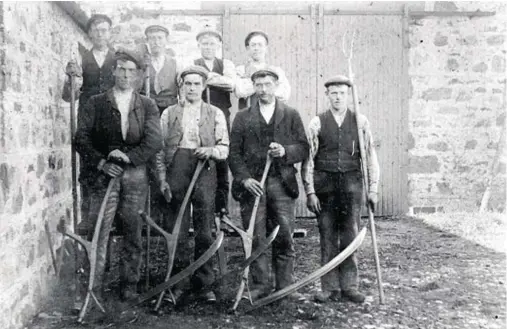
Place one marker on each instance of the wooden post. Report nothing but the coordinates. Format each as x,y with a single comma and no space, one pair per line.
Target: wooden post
148,197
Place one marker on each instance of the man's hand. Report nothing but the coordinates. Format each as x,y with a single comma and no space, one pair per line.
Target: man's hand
112,169
372,200
276,150
203,153
253,186
165,189
313,203
73,69
119,156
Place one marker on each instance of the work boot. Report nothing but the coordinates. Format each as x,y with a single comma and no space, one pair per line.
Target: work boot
353,296
296,297
325,296
208,297
129,292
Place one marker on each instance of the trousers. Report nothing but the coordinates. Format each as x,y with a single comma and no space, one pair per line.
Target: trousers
338,227
127,197
202,201
275,208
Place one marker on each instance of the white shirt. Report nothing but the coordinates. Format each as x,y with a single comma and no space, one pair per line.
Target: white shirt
190,125
100,56
267,110
339,117
209,63
158,62
123,99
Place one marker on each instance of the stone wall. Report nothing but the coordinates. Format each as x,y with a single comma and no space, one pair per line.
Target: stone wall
35,166
457,107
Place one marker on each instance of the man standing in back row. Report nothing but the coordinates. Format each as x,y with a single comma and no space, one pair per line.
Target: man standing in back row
256,43
333,183
221,75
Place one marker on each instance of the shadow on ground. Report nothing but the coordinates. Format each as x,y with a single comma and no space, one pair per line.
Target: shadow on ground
432,279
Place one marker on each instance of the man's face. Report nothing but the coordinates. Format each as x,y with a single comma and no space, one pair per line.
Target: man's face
157,40
208,44
193,86
257,48
338,96
265,88
100,33
125,74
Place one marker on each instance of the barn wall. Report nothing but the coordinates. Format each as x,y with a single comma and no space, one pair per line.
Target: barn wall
35,174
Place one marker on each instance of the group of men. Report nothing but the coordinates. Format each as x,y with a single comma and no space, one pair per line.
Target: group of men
158,139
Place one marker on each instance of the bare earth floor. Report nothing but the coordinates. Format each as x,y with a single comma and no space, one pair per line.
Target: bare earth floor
432,279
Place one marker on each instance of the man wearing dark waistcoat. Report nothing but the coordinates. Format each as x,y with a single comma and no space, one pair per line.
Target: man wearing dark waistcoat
268,125
94,75
192,131
334,186
221,74
119,132
163,69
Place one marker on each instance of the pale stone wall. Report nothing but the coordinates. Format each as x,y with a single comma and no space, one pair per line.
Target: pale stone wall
35,174
457,107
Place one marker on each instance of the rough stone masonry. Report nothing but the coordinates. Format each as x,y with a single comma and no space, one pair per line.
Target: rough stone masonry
35,181
456,111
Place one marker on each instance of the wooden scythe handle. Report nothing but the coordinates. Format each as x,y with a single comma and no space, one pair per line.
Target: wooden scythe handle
247,243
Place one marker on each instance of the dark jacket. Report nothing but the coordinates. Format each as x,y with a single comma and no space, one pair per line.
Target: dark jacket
247,158
100,132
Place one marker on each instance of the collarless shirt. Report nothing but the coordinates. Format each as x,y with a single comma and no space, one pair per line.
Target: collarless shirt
123,99
267,110
190,125
158,62
100,56
339,117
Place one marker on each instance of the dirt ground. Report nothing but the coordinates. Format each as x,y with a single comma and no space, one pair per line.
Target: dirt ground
432,279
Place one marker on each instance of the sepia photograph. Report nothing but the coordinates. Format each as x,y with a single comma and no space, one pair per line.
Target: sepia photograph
253,164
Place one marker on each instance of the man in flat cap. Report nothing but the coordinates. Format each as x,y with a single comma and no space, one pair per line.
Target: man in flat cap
119,132
163,69
192,131
93,73
268,126
334,185
256,43
221,76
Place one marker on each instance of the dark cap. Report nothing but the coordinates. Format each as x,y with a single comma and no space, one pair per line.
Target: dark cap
129,55
97,18
194,69
338,80
269,71
208,32
253,34
156,28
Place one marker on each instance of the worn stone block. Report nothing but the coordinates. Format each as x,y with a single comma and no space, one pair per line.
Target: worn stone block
437,94
496,40
438,146
423,164
480,67
440,40
471,144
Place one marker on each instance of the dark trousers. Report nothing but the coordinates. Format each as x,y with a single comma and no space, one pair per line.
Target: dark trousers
222,193
338,226
202,200
127,197
275,208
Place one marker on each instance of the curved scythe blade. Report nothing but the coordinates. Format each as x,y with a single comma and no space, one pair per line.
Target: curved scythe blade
313,276
180,276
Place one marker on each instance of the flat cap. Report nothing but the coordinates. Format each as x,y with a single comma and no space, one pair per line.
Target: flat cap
97,18
194,69
268,71
208,32
338,80
253,34
156,28
129,55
